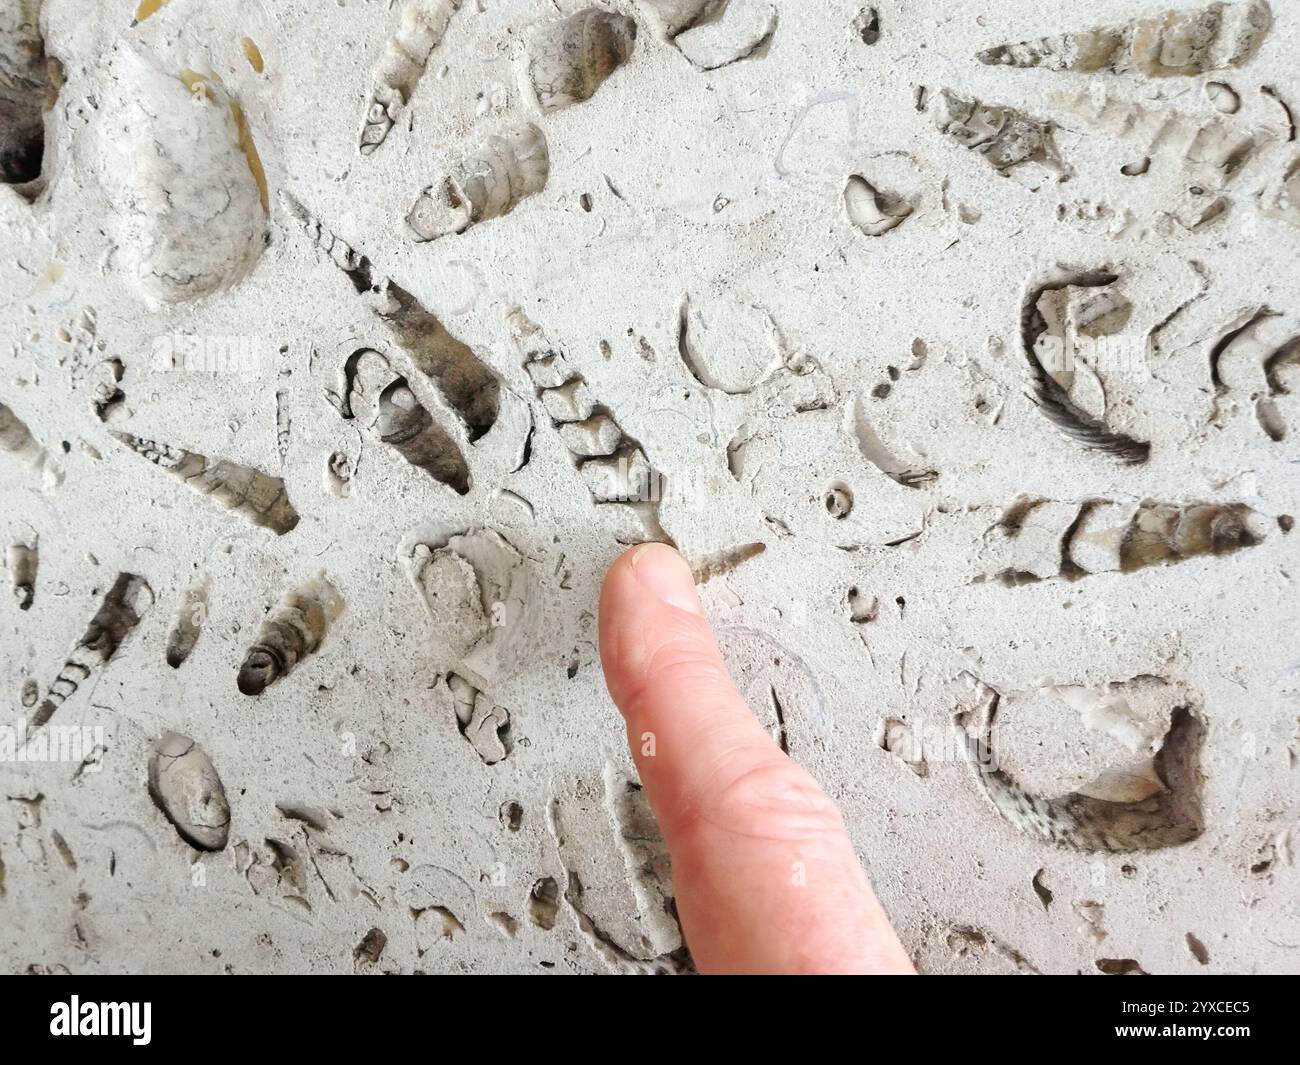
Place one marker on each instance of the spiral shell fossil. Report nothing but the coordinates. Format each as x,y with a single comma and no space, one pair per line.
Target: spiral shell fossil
291,632
254,495
420,29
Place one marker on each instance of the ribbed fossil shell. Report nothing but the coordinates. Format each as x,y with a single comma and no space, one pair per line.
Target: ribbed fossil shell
1175,43
507,168
291,632
188,206
119,612
569,60
186,788
254,495
420,29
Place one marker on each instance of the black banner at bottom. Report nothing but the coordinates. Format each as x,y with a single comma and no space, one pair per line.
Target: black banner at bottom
148,1012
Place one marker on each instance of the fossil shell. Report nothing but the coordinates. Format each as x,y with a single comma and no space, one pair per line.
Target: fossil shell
191,613
571,59
1175,43
17,440
254,495
420,29
507,168
186,788
291,632
119,612
873,212
190,212
1007,138
1146,807
22,560
671,17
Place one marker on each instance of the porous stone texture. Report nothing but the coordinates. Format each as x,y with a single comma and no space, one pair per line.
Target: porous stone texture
346,345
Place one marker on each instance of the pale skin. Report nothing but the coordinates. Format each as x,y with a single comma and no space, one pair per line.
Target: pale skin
765,876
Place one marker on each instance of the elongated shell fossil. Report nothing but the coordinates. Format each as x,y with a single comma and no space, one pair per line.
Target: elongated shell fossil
420,29
1174,43
508,168
257,496
571,59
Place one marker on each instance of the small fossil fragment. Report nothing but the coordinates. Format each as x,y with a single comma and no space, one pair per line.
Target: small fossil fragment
485,725
736,31
254,495
1219,36
186,788
671,17
571,59
420,29
720,563
873,212
17,440
123,605
507,168
291,632
22,560
177,163
1007,138
191,613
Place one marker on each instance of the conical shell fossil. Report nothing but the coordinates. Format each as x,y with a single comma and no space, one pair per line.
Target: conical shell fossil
176,163
571,59
122,607
1175,43
420,29
191,613
291,632
382,401
186,788
254,495
508,168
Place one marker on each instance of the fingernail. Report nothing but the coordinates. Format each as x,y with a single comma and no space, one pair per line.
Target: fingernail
663,573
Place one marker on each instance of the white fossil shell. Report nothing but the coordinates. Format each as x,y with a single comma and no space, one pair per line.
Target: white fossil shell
187,789
507,168
420,29
569,60
873,212
671,17
22,560
179,171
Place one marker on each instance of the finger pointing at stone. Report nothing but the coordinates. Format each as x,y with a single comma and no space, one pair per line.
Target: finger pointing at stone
765,875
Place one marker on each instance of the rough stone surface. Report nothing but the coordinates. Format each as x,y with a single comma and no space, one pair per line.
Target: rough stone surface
787,299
